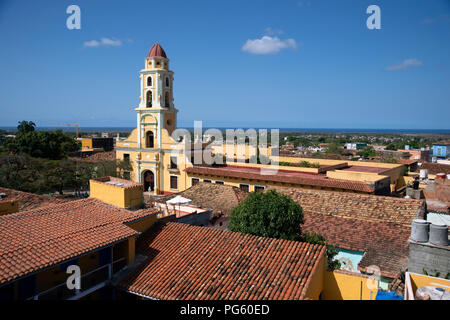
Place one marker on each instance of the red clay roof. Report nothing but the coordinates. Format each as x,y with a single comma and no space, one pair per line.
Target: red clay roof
156,52
385,244
35,239
358,206
198,263
376,225
282,176
28,201
435,168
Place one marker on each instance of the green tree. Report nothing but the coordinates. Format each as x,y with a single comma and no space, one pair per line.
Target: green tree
268,214
275,215
40,144
367,152
333,148
26,126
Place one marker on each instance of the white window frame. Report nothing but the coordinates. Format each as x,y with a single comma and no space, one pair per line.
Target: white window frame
210,181
223,182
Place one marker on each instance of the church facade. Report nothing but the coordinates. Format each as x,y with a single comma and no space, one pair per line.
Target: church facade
157,160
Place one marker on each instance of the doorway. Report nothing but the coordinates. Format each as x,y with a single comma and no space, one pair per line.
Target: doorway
149,181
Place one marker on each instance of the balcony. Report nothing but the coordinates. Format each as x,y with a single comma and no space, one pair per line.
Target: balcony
90,282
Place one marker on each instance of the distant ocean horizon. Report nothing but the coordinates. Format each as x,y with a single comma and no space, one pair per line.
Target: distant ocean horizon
317,130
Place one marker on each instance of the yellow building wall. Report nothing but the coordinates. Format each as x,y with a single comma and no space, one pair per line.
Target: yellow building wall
316,283
240,151
355,176
143,224
131,250
342,285
252,183
421,280
86,144
7,207
116,195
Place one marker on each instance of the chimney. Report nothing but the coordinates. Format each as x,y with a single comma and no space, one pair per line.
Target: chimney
419,230
439,234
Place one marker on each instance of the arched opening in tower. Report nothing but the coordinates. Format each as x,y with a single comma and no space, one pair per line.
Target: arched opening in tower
166,100
149,99
149,140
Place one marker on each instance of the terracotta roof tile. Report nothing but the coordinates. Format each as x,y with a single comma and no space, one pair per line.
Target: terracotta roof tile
283,176
28,201
360,206
198,263
35,239
376,225
435,168
385,244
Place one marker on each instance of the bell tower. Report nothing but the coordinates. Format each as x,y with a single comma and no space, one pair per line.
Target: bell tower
156,109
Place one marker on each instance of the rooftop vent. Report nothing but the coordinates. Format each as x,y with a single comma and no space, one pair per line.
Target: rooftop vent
439,234
419,230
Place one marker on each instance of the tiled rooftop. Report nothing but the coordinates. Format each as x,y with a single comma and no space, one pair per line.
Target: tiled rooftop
376,225
35,239
198,263
282,176
357,206
385,244
435,168
28,201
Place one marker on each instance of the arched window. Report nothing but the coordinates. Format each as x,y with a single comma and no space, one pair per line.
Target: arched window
149,139
167,82
166,100
149,81
149,98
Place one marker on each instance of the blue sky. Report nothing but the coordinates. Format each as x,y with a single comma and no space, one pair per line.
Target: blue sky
305,64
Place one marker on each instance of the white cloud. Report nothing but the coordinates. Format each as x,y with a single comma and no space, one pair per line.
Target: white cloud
268,45
271,31
405,64
304,3
443,18
103,42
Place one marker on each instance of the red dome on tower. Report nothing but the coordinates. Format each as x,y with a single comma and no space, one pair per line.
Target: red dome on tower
156,52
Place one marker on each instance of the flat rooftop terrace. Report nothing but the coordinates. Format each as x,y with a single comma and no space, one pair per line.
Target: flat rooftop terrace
366,169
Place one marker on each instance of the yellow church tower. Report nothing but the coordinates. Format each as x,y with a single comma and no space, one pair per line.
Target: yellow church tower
154,155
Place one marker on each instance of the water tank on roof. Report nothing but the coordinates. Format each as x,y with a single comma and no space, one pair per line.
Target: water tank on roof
439,234
419,230
423,173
